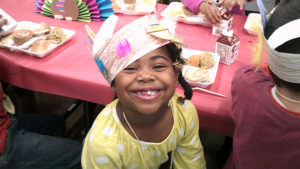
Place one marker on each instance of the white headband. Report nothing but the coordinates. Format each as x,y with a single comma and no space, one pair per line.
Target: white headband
284,65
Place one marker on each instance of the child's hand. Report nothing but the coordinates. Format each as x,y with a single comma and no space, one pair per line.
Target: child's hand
229,4
211,12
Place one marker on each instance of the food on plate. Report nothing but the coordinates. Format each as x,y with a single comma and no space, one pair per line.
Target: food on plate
129,1
194,60
3,21
204,59
56,36
130,7
147,2
44,29
198,75
174,13
21,36
181,17
187,12
254,22
115,6
255,28
5,39
40,45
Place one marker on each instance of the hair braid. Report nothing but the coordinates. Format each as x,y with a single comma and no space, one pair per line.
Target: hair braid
188,92
175,53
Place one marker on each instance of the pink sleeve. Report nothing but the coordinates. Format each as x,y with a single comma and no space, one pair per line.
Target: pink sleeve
192,5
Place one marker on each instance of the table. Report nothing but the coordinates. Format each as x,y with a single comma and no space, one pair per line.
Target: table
71,71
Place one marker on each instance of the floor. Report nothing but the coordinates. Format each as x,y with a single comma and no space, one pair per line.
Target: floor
34,102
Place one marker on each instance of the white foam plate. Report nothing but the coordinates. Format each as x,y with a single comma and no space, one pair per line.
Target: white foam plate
253,20
142,7
175,12
32,25
186,53
11,23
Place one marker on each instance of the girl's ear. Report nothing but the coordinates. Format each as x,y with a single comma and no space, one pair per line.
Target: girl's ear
113,89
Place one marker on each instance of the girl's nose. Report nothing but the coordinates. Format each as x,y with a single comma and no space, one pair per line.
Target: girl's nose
145,75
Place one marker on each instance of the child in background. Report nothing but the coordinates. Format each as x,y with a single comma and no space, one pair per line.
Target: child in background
266,107
149,124
23,140
210,10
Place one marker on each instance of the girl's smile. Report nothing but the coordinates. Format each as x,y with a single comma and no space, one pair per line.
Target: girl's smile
147,93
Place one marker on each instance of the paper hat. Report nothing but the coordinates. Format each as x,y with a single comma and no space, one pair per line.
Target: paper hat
114,52
284,65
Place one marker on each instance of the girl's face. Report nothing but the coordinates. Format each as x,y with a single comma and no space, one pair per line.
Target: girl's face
147,85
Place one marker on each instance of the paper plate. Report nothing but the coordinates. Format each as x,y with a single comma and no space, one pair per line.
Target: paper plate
253,23
175,12
142,7
186,53
32,25
11,22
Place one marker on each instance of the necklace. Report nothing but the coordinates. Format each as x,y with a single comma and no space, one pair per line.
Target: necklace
286,98
139,147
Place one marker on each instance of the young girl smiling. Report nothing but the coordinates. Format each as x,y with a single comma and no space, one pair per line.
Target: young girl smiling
148,125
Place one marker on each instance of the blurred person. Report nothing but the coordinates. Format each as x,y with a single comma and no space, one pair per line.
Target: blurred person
211,11
266,100
22,149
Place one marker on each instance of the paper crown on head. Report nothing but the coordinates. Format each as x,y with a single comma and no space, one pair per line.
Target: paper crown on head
284,65
114,52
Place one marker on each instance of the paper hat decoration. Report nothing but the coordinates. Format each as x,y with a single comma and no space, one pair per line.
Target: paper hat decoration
81,10
284,65
114,52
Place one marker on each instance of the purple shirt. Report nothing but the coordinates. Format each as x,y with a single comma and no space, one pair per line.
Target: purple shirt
193,5
266,136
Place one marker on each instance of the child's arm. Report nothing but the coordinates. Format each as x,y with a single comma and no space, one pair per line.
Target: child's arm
211,12
192,5
189,152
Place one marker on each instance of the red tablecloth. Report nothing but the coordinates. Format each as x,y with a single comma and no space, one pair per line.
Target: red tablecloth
70,70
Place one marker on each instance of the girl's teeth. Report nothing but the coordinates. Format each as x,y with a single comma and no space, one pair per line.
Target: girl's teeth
149,93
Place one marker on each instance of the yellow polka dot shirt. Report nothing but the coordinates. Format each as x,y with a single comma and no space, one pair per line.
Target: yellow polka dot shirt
109,146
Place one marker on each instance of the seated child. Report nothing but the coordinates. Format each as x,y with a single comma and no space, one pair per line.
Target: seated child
148,124
266,107
210,10
23,140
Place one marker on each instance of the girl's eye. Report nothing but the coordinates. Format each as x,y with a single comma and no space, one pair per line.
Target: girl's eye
159,67
130,69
